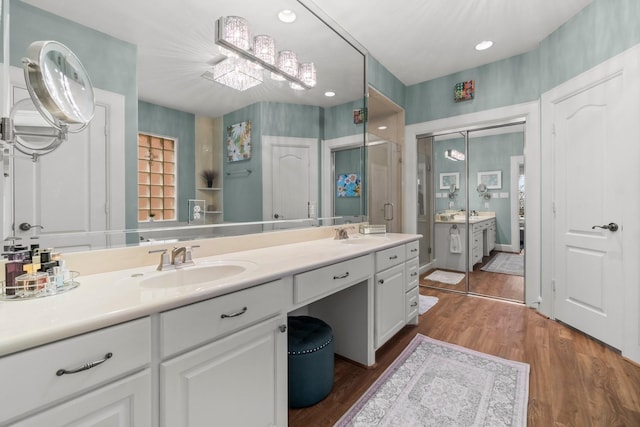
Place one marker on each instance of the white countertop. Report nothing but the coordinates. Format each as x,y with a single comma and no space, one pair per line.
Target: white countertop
110,298
462,220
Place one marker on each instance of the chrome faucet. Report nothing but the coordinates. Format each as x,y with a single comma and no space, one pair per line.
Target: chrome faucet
341,234
179,257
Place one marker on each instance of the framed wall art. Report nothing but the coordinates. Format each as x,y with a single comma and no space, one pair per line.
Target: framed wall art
492,179
448,178
239,142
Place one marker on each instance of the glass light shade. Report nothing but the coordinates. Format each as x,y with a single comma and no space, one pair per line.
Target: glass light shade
264,48
288,62
307,73
236,32
237,73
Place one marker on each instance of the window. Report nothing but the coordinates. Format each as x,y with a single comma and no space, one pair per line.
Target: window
156,178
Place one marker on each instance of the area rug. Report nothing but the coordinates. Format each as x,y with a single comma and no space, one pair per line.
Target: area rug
425,303
445,277
506,263
433,383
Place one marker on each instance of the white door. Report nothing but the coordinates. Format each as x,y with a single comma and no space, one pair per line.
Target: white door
291,179
589,134
62,212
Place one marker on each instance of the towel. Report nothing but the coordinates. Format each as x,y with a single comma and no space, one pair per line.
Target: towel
455,245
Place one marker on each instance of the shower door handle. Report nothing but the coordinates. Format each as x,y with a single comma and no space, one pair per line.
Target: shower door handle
388,217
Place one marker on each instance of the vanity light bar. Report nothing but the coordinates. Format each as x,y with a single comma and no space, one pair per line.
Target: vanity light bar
220,40
454,155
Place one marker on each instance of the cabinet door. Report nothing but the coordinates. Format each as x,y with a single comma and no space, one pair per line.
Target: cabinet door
239,380
124,403
390,303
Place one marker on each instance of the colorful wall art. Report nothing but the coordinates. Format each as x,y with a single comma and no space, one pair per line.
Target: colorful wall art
348,185
464,91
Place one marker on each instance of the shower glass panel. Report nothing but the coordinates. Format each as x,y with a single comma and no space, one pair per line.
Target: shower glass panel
385,194
496,205
425,201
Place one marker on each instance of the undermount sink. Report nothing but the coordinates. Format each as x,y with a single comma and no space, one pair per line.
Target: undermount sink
196,274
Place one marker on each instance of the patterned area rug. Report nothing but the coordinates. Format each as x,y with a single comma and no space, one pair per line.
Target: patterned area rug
445,277
425,303
506,263
433,383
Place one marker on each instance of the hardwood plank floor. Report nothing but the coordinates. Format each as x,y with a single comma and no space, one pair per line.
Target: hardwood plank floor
574,380
498,285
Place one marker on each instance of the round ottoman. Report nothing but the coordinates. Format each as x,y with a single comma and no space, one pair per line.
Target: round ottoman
310,360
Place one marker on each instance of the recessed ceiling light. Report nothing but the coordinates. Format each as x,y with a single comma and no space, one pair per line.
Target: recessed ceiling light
287,16
329,94
382,127
484,45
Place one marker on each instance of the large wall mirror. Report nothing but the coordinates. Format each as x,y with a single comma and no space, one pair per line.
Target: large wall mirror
165,108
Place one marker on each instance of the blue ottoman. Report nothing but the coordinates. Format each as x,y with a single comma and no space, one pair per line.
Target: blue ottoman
310,361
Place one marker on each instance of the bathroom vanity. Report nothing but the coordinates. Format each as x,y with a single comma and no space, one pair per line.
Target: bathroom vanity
144,347
481,235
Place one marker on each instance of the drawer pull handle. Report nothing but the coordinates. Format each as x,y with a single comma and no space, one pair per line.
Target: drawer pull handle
414,250
393,257
414,274
236,314
84,367
414,304
344,276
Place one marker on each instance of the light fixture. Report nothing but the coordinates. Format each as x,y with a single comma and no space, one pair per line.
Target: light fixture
264,47
306,73
484,45
329,94
246,57
454,155
382,127
237,73
287,16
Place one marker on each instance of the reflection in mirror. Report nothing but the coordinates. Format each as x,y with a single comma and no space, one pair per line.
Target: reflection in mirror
149,68
481,241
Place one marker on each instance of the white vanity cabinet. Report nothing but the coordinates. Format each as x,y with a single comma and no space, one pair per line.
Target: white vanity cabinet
111,382
235,372
390,293
412,295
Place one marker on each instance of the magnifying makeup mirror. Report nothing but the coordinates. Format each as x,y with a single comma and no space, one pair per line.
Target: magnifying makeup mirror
61,92
452,191
483,191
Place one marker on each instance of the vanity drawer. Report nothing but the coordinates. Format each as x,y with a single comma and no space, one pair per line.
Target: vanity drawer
326,280
390,257
196,324
412,249
413,303
30,378
412,273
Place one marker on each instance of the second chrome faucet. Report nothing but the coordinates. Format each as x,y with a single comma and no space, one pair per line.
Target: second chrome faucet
180,257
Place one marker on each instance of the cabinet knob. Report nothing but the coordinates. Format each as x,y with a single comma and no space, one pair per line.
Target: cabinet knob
282,328
381,281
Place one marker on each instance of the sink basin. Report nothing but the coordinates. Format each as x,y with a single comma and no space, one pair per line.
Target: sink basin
195,275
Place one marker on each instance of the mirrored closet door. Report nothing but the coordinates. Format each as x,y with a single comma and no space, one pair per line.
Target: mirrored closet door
477,198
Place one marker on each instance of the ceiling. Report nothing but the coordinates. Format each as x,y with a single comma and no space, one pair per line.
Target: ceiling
419,40
416,40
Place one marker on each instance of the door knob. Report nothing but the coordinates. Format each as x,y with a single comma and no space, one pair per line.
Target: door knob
612,226
25,226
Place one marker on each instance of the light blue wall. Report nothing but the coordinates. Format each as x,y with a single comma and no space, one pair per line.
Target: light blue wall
112,67
443,165
493,153
598,32
167,122
385,82
338,121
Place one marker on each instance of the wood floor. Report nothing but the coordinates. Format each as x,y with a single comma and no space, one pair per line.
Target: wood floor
498,285
574,380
